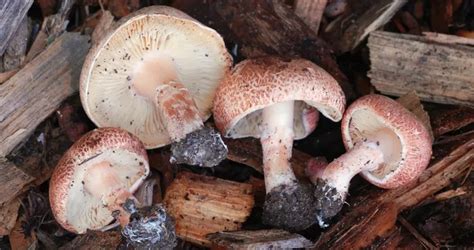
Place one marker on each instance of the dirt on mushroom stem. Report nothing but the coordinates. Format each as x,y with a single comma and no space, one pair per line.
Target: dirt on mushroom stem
288,204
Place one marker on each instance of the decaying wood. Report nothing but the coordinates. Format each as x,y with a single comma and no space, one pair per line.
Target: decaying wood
412,102
437,72
258,239
202,205
12,181
13,13
377,215
8,215
265,27
348,30
426,243
451,119
95,240
248,151
16,49
447,39
105,22
37,90
18,239
52,27
311,12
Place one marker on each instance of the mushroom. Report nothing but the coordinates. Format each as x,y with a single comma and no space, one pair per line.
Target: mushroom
155,75
387,144
95,177
276,100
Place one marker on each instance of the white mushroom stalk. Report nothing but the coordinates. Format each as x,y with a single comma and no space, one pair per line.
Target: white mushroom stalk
277,143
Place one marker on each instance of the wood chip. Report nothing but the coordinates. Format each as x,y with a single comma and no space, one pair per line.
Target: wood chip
311,12
38,89
13,13
437,72
8,215
12,181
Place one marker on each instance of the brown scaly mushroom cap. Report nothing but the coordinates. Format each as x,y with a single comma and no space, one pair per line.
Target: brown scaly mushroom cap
387,144
154,75
98,173
276,100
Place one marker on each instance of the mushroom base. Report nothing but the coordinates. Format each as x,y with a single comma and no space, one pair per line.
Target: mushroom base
289,207
203,147
149,228
328,201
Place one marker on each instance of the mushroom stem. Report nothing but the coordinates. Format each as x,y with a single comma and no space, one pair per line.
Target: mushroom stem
277,143
179,113
365,156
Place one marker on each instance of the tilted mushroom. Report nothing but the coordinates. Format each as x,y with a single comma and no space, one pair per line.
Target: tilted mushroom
275,100
155,75
387,144
95,177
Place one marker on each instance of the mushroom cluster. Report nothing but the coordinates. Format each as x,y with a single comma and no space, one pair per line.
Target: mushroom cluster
278,100
96,177
386,144
155,75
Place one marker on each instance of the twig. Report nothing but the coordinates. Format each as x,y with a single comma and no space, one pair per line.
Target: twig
427,244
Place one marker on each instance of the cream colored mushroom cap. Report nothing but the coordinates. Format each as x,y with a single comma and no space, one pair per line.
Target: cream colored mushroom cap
257,83
410,148
73,207
197,53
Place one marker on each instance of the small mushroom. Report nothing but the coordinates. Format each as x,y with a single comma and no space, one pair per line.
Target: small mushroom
276,100
387,144
155,75
95,178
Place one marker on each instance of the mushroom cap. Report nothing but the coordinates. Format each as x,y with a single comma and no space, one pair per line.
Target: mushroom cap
409,150
161,34
257,83
73,206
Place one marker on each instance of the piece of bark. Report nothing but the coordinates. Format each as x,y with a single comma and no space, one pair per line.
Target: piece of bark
412,102
16,49
437,72
121,8
258,239
105,22
248,151
95,240
6,75
448,39
53,26
348,30
441,15
265,27
451,119
18,239
8,216
201,205
12,181
311,12
13,13
38,89
48,7
376,216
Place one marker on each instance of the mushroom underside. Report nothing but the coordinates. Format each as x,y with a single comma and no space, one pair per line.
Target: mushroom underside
86,211
148,51
364,125
249,124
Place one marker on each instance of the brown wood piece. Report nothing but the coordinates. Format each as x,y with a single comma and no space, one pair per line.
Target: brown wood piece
266,27
374,217
248,151
258,239
102,28
451,119
121,8
6,75
351,28
311,12
16,49
93,240
37,90
18,239
441,15
437,72
202,205
8,216
12,181
13,13
48,7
